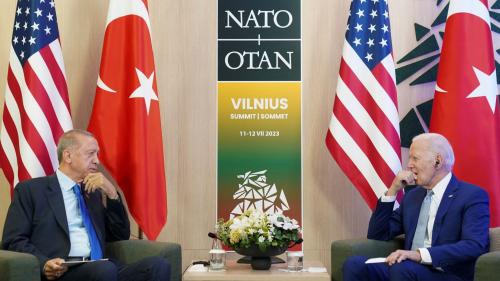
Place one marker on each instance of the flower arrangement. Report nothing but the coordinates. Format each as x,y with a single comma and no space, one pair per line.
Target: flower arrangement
257,228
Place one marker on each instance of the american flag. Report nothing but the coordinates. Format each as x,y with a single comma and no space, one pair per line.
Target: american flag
36,110
363,136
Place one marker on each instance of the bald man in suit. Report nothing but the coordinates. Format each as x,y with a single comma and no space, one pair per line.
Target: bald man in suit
445,221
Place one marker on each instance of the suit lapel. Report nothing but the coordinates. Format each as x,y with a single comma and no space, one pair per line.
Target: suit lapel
414,212
448,197
56,202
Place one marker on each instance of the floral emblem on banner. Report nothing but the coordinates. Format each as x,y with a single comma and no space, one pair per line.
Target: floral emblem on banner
254,192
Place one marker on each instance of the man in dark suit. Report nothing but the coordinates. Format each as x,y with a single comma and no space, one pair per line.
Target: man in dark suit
445,221
64,217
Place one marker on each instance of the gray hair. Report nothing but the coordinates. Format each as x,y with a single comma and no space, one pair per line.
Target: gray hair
69,140
439,144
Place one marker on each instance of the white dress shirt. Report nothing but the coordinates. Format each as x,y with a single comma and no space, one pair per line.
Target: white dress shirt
78,236
439,190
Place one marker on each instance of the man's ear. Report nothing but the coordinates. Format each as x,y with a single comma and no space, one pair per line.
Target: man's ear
439,161
66,157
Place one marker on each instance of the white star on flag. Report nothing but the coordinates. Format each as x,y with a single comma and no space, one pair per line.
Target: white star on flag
34,26
145,90
487,87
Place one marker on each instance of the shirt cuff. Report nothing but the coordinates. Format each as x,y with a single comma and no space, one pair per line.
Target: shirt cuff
425,255
387,199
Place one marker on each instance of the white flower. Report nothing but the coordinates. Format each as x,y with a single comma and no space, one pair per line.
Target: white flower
274,219
287,226
262,239
236,224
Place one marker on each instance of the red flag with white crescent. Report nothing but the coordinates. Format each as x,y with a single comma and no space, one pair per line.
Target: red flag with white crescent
465,108
126,114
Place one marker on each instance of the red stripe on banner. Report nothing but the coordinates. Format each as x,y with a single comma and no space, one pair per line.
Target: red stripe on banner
365,144
364,97
385,80
6,168
351,171
23,174
57,75
42,98
34,139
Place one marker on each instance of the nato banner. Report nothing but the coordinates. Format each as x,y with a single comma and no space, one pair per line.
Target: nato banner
259,107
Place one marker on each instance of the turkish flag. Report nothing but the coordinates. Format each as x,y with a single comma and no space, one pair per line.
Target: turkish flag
126,114
465,108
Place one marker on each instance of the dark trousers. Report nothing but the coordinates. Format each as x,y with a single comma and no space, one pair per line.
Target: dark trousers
148,269
355,269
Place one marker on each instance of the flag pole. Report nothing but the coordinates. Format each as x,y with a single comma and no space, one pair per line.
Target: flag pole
140,234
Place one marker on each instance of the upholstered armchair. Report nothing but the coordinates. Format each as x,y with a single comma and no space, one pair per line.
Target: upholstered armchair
487,266
24,267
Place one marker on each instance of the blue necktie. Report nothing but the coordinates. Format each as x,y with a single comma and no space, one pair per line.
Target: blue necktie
95,247
423,220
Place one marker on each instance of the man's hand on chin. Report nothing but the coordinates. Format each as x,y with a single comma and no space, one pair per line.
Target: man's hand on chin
97,180
401,255
403,178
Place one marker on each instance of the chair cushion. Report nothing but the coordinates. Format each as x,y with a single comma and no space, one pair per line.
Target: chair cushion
495,239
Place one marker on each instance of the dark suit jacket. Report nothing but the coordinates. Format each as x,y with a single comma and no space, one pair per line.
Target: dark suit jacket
460,234
36,221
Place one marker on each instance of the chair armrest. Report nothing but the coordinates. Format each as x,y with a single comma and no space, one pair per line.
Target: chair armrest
488,267
16,266
342,249
129,251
